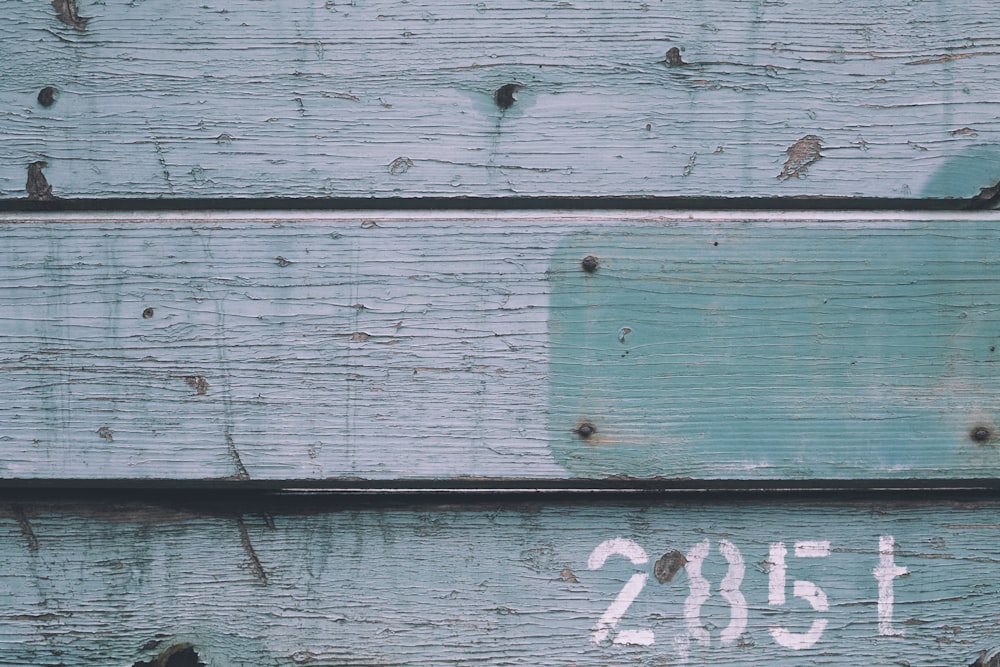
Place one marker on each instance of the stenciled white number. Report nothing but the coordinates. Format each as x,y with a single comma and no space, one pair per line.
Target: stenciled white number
609,620
806,590
729,589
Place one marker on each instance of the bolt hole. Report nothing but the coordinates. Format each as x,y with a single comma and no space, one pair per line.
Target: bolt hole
980,434
504,95
716,244
590,264
585,430
147,313
179,655
47,96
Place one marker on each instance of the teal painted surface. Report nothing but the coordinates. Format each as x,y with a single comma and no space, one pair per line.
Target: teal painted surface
469,346
317,98
775,352
92,583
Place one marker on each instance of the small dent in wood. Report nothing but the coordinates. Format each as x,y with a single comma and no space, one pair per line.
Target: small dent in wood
668,565
37,185
67,12
504,95
585,430
47,96
178,655
106,433
281,261
590,264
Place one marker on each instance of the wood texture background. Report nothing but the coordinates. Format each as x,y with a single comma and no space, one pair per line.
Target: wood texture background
336,98
499,584
346,346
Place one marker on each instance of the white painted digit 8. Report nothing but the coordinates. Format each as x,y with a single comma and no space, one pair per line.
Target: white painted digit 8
729,589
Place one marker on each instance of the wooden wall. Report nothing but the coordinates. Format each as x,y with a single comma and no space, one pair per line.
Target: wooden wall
513,332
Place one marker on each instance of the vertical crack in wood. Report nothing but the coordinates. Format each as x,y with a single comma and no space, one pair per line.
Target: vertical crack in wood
234,454
26,529
255,564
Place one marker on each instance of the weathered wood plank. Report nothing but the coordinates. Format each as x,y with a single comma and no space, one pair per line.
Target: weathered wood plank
875,583
341,346
896,98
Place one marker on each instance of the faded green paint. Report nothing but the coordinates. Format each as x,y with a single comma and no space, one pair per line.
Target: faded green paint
766,351
345,346
88,583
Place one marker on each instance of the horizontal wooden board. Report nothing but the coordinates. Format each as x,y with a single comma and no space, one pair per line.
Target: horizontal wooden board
476,346
335,98
747,584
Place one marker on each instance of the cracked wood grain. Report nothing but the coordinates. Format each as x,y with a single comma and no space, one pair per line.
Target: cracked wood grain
499,584
664,346
286,107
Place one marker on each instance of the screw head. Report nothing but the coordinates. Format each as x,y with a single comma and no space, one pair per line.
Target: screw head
590,264
980,434
585,430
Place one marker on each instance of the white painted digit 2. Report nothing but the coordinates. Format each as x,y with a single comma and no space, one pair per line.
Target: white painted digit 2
613,614
729,589
806,590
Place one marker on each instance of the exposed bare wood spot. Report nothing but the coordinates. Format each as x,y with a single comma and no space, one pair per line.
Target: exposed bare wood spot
943,59
178,655
567,575
668,565
360,336
198,383
504,95
964,131
801,154
67,13
106,433
26,530
673,57
255,565
225,139
47,96
38,186
400,165
987,197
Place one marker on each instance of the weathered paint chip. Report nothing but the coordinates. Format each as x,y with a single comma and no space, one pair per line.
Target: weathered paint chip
67,12
801,155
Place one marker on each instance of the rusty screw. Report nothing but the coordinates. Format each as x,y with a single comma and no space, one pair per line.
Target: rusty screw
585,430
590,264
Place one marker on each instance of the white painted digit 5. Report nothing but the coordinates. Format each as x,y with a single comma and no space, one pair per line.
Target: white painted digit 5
729,588
806,590
609,620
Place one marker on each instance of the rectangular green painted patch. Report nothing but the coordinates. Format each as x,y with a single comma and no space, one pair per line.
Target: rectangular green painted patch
776,350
